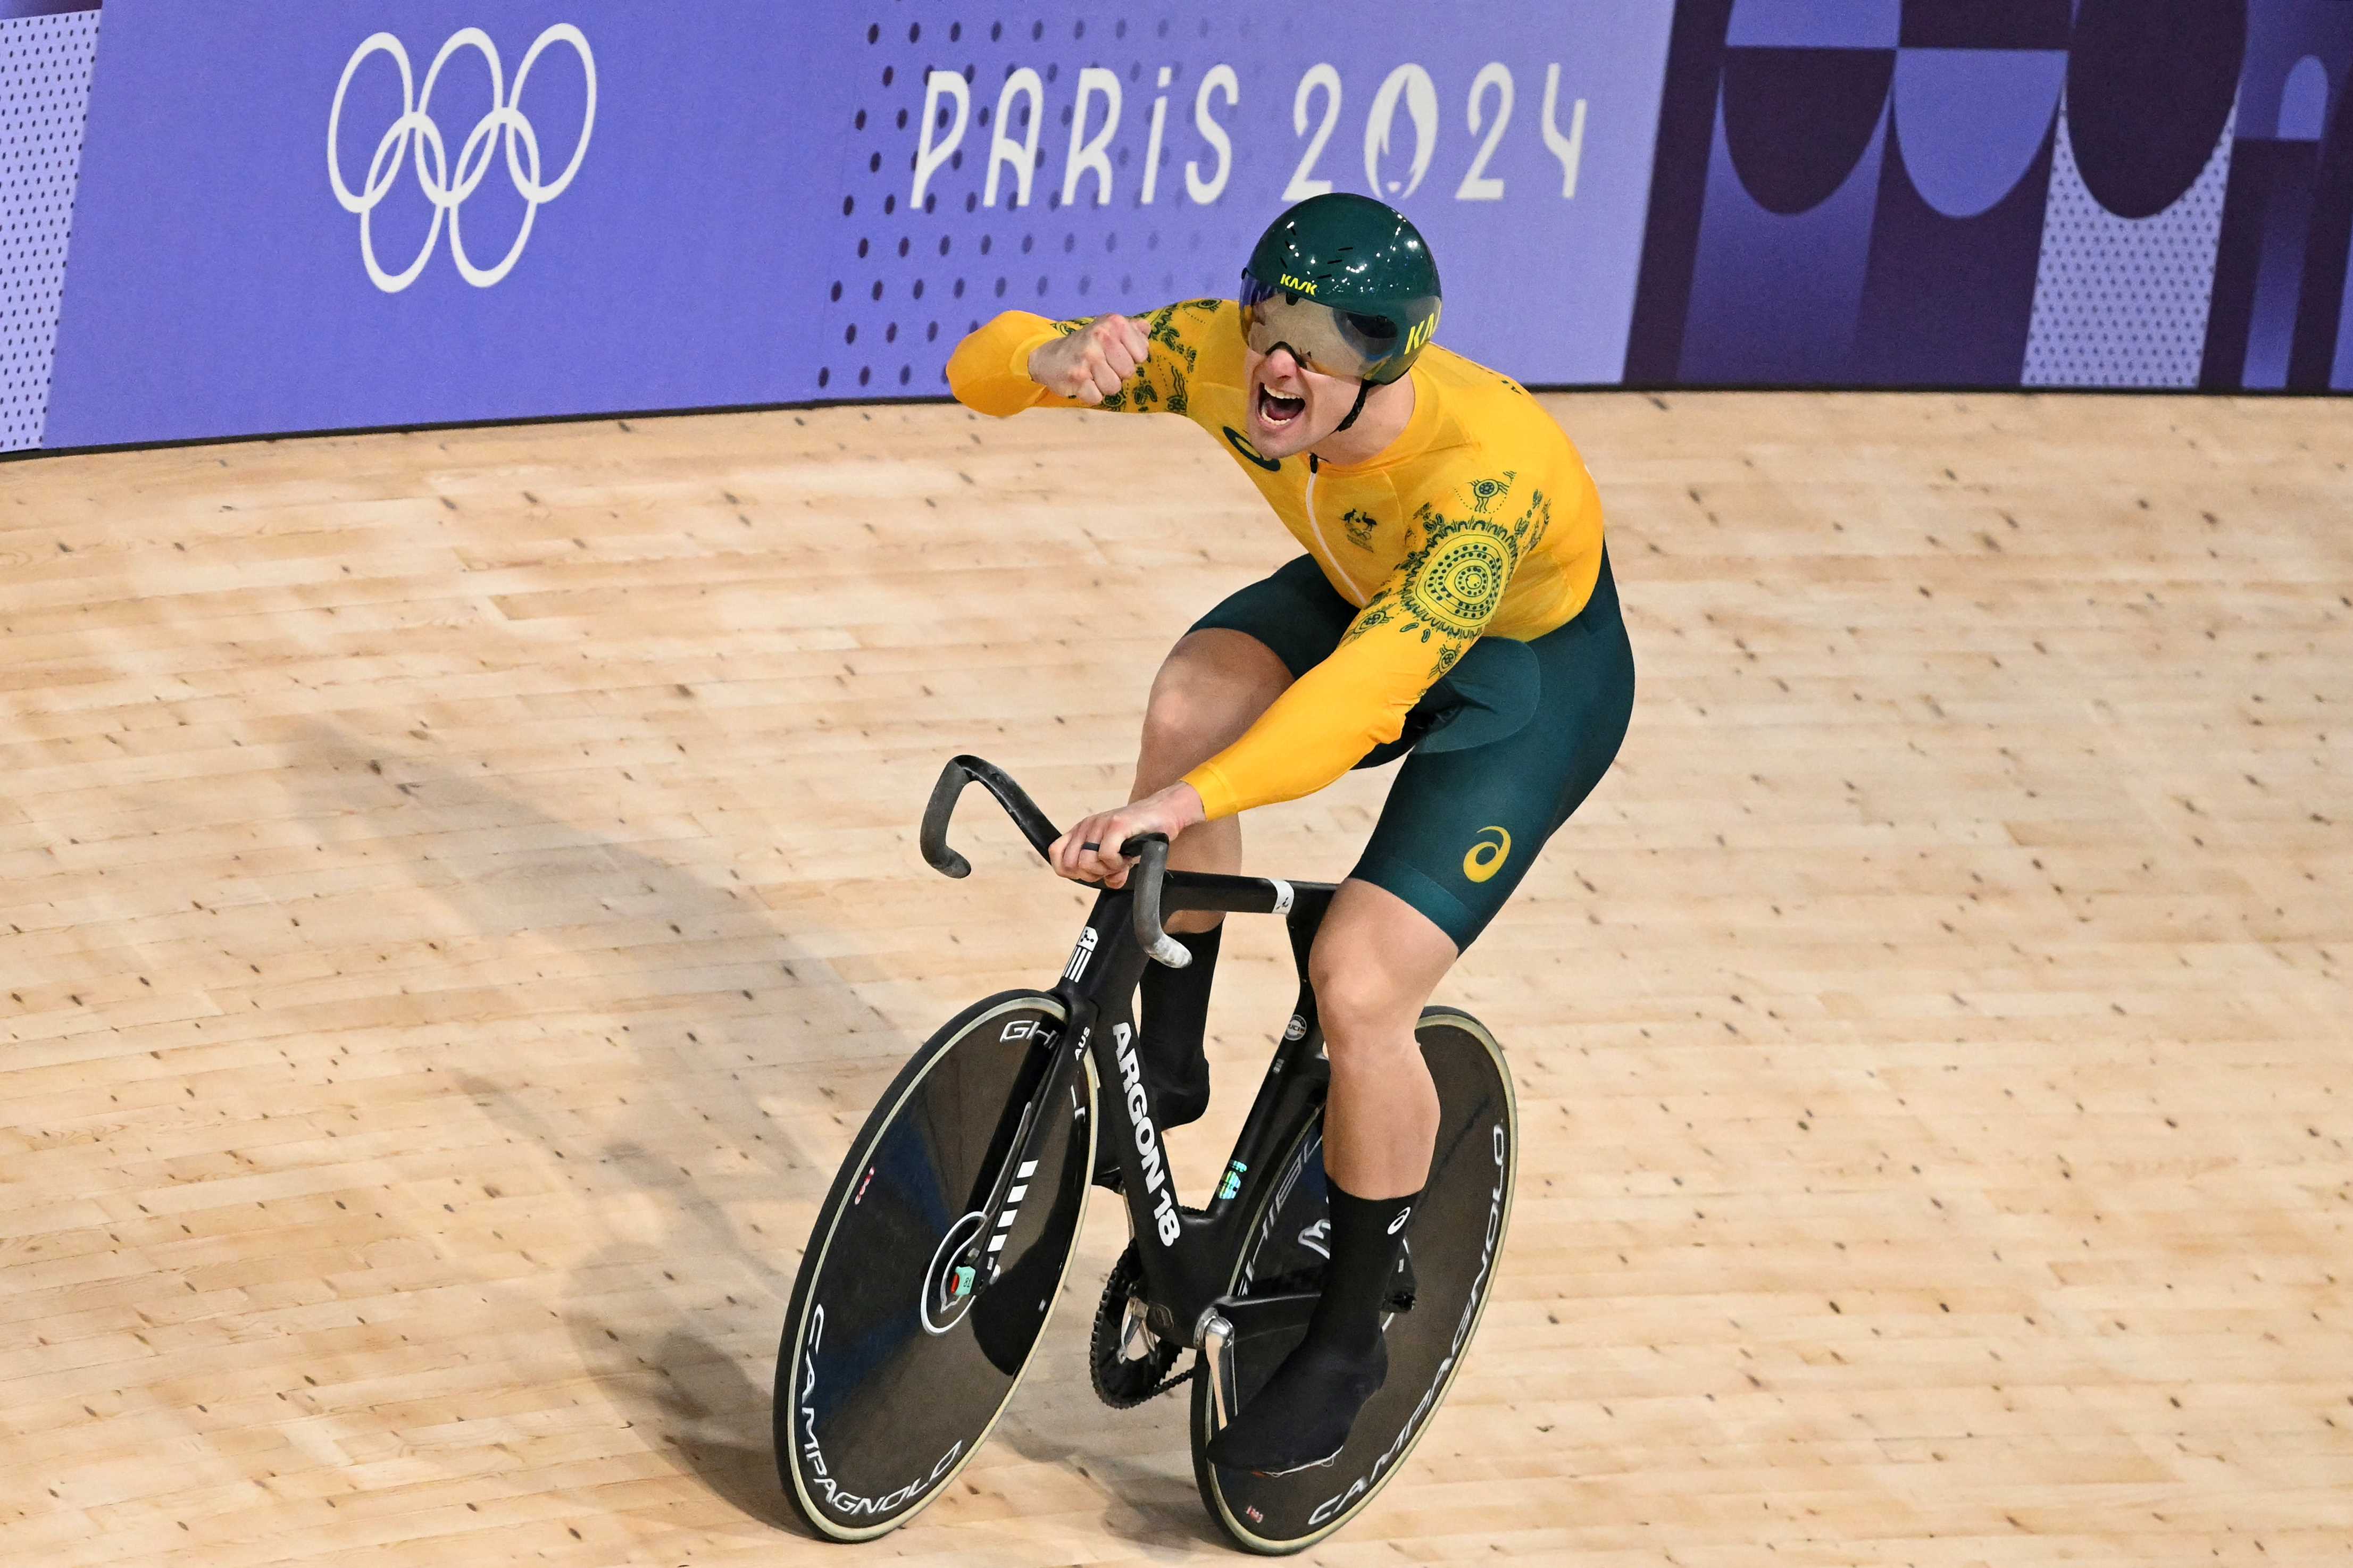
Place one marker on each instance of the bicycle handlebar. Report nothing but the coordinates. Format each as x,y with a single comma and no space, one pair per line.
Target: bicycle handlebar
1151,849
1034,824
1152,852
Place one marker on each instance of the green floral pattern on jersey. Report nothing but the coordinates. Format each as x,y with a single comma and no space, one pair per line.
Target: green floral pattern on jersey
1482,492
1447,589
1158,385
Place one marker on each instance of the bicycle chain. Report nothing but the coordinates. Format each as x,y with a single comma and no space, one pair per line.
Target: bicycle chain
1171,1381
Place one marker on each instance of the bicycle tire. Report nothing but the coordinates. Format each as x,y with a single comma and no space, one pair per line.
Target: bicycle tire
1456,1237
877,1371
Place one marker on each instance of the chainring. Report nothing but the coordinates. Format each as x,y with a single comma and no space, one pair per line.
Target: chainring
1125,1379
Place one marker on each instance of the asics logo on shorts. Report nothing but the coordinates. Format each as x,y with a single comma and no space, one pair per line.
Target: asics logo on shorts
1487,856
415,137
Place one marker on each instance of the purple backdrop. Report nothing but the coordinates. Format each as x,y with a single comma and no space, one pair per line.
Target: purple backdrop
218,287
1538,281
778,202
743,226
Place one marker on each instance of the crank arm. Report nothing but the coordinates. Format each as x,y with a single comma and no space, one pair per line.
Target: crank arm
1217,1355
1249,1318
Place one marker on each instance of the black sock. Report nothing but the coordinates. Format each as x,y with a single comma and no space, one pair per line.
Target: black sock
1366,1235
1177,1001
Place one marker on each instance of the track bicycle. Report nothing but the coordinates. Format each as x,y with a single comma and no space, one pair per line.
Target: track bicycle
938,1253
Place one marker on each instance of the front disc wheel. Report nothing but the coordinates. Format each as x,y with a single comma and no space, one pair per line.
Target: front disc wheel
909,1329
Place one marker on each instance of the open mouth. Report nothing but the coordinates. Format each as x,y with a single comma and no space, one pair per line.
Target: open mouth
1277,411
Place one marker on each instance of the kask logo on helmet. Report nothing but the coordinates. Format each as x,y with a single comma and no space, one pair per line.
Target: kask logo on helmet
414,136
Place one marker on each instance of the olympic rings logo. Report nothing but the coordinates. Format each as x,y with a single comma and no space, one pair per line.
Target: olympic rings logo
504,125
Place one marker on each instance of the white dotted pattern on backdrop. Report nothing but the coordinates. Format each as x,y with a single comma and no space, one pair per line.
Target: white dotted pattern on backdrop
905,292
2123,301
45,63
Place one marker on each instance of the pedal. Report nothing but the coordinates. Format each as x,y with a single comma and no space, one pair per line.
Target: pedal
1134,1335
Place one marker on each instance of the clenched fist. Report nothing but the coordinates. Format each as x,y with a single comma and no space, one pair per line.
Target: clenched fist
1093,362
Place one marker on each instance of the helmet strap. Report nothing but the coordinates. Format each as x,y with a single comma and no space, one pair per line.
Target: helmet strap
1364,390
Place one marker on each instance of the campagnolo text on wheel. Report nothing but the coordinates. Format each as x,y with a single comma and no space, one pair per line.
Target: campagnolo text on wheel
1454,609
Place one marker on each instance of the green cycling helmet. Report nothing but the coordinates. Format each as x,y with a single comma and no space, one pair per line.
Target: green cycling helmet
1348,285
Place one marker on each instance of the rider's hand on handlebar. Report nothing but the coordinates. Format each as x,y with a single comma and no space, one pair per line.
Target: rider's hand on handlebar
1093,362
1089,851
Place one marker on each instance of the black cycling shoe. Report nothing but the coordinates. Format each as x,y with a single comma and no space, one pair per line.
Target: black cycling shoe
1301,1418
1176,1100
1175,1016
1179,1089
1168,1044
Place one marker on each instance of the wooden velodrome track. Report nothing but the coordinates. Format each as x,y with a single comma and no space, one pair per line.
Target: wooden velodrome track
460,896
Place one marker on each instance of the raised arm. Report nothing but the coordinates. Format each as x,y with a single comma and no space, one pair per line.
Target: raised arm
1121,363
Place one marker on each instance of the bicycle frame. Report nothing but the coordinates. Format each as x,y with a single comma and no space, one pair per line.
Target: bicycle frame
1186,1256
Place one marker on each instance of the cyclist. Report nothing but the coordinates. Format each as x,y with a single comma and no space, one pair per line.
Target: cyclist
1455,606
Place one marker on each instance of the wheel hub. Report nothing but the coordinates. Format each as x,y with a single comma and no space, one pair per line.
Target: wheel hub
948,1285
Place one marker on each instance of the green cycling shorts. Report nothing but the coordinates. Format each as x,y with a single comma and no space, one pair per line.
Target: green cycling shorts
1497,753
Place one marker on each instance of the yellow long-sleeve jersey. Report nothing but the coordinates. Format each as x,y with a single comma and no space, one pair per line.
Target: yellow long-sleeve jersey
1479,520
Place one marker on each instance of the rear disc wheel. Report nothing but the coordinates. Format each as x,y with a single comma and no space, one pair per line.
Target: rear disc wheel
1449,1267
